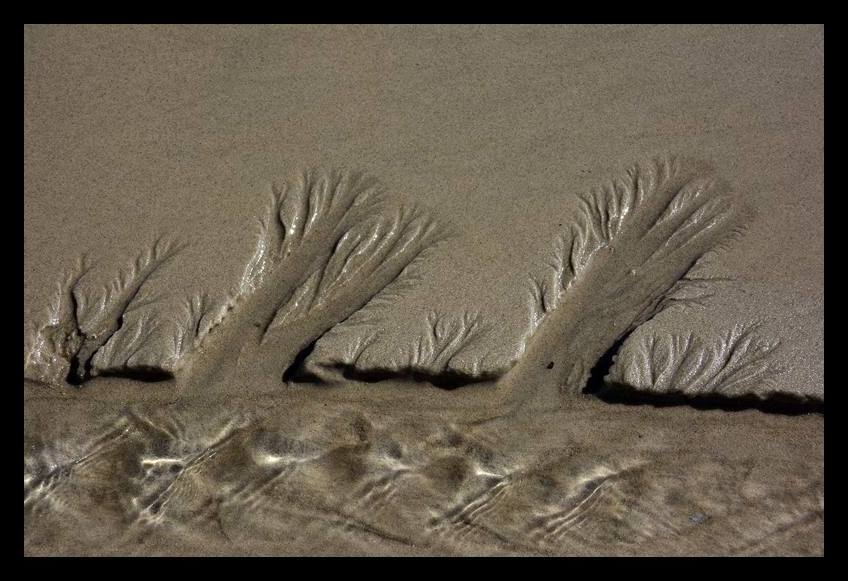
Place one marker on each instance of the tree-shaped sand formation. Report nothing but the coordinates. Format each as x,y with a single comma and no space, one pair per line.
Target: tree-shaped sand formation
327,244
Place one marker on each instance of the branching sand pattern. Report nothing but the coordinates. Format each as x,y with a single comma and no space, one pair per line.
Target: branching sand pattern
631,253
429,356
80,323
327,244
627,256
301,221
358,254
734,364
330,244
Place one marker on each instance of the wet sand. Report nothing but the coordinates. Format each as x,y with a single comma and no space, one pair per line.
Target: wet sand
423,290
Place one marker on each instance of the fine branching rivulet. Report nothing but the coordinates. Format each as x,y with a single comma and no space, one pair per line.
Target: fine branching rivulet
331,243
80,322
736,363
628,254
327,244
429,357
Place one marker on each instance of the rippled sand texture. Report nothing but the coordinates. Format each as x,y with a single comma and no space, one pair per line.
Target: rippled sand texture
340,479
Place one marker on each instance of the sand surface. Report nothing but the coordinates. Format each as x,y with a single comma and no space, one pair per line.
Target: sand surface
453,290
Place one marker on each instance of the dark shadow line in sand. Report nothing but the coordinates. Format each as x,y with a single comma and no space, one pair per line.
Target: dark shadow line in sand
143,374
297,371
76,376
447,380
777,403
595,385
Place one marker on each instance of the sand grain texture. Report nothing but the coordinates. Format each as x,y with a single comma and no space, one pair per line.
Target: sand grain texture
440,290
